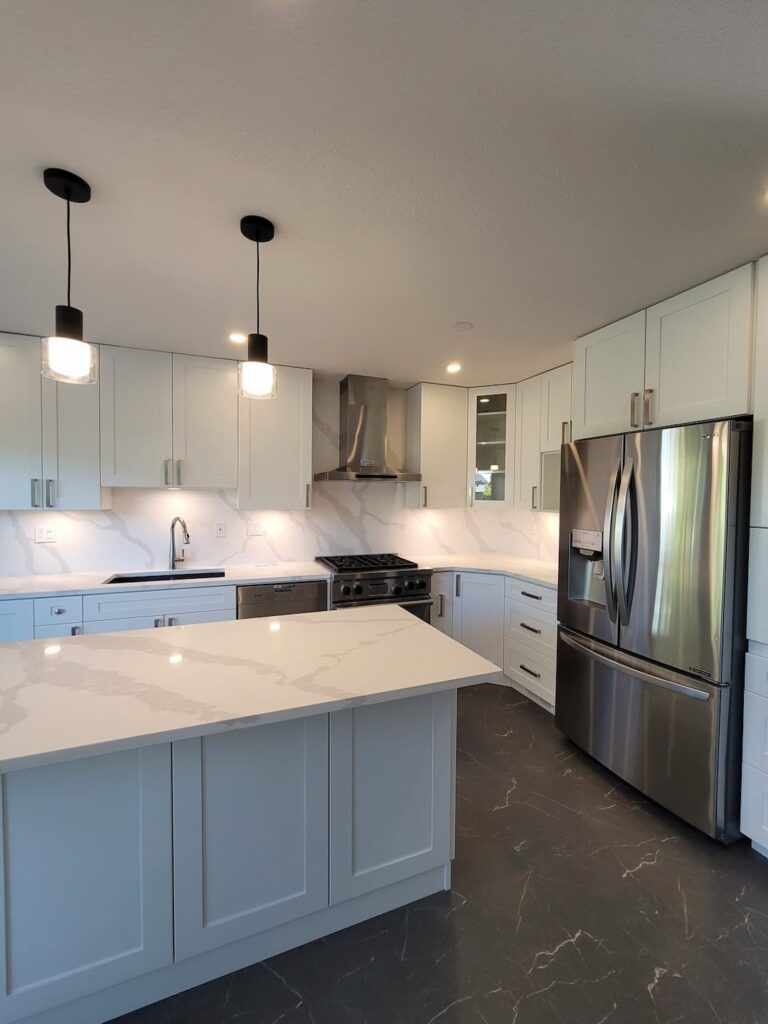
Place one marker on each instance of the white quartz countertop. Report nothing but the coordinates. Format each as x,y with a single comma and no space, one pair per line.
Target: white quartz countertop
87,695
530,569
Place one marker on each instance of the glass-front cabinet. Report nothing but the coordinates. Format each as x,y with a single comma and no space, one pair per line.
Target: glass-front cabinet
491,444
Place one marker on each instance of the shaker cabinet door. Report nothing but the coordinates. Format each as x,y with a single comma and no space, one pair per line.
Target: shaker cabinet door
204,422
21,484
528,444
608,378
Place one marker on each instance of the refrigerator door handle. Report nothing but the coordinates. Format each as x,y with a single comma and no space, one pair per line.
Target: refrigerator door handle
630,670
610,505
619,533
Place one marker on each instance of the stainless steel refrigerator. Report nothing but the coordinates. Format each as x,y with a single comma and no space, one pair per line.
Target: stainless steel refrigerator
651,606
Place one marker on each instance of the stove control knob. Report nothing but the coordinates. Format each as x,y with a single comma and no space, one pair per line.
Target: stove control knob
410,585
422,584
346,590
397,590
358,588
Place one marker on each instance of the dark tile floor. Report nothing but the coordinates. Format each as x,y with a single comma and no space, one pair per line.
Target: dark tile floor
574,901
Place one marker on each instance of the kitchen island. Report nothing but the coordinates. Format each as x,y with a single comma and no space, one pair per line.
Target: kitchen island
178,804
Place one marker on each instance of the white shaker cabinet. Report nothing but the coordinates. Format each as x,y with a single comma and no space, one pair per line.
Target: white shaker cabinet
204,422
759,515
49,435
17,620
698,352
478,614
136,417
555,408
436,446
275,445
528,443
442,610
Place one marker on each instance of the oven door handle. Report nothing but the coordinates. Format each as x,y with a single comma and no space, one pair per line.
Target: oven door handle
379,604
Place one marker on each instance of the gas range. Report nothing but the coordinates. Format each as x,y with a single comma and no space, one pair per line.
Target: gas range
378,579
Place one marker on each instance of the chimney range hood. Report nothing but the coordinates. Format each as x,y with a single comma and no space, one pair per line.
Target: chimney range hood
363,432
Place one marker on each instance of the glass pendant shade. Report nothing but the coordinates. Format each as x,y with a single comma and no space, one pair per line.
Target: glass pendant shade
65,356
258,378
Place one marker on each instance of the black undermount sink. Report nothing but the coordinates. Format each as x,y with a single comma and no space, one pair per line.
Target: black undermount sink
169,576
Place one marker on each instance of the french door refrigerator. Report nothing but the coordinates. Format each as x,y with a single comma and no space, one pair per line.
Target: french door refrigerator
651,606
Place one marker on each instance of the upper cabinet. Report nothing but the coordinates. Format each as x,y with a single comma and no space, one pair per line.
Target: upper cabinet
49,435
608,376
275,445
436,446
491,444
527,443
167,420
555,408
685,359
697,352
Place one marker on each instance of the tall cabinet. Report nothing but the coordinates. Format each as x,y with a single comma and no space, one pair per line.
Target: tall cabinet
491,454
436,445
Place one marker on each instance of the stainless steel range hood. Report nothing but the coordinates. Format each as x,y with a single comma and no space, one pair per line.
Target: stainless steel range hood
363,432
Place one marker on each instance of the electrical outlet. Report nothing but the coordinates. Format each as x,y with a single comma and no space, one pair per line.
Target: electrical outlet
220,530
45,535
252,528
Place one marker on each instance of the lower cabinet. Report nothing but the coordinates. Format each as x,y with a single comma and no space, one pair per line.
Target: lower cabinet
17,621
86,869
478,614
442,609
391,770
250,820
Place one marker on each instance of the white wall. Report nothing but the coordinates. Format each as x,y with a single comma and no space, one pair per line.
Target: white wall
344,518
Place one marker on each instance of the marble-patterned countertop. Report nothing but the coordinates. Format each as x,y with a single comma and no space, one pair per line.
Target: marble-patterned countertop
530,569
86,695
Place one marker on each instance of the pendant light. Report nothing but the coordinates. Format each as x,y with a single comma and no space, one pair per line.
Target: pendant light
66,357
258,378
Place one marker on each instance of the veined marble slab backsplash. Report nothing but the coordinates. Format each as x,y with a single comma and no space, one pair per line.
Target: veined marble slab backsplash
344,518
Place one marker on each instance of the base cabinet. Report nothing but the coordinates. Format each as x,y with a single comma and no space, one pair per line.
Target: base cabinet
391,792
86,872
478,614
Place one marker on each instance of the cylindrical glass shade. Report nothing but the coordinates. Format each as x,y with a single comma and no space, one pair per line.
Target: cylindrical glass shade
258,380
68,361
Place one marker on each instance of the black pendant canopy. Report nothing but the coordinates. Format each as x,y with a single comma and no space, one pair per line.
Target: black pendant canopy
66,185
257,229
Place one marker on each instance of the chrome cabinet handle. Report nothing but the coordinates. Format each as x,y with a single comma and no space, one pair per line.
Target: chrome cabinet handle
50,493
536,675
534,489
172,620
158,622
535,597
564,432
440,606
58,611
35,492
470,496
76,630
458,584
647,395
424,497
178,472
531,629
167,472
633,397
308,496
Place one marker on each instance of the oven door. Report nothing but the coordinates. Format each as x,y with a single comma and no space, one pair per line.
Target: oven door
421,607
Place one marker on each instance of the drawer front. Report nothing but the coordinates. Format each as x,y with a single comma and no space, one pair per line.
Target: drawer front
755,750
756,674
53,611
158,602
530,627
530,670
531,594
63,629
754,804
120,625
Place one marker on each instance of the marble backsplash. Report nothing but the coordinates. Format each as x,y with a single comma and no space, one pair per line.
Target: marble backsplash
344,518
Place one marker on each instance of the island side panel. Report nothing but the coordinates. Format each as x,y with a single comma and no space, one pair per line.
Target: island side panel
87,877
391,768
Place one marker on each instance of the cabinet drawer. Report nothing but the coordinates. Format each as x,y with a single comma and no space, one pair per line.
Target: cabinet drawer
531,627
158,602
755,750
530,670
531,594
120,625
754,804
52,611
61,629
756,674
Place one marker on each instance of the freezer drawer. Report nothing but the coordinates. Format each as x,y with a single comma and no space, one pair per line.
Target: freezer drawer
660,731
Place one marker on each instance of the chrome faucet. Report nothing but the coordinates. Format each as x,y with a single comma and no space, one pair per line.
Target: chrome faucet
173,558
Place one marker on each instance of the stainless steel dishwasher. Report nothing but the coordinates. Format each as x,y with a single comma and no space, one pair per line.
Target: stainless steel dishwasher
264,599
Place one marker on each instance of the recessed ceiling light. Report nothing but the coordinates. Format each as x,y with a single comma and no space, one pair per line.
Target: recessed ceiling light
463,325
453,367
238,338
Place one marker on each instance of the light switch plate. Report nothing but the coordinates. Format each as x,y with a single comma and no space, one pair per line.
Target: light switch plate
220,530
252,528
45,535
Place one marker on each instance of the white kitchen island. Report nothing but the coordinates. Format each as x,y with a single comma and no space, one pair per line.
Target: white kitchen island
179,804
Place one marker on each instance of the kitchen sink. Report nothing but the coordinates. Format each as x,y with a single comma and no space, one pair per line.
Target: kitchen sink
169,576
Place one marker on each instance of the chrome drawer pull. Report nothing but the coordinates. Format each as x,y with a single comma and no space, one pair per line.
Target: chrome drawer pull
531,629
536,675
535,597
58,611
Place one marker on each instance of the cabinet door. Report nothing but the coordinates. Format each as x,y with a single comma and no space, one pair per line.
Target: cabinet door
442,592
478,614
86,862
20,423
17,620
71,451
390,792
757,600
528,444
204,422
250,814
759,516
698,350
608,378
275,450
555,408
136,417
491,445
437,446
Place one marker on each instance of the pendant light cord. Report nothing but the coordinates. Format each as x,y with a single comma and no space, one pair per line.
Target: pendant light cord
258,288
69,257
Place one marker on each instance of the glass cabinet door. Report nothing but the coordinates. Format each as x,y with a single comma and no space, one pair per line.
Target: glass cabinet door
491,452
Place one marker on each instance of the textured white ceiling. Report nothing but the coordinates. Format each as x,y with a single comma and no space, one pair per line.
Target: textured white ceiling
538,167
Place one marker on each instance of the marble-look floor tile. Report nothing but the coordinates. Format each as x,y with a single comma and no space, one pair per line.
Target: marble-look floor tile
574,901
